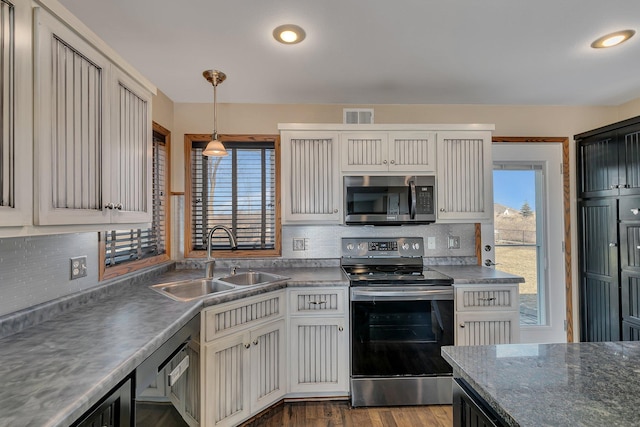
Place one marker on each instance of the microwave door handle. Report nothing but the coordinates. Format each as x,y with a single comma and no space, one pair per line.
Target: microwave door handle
412,194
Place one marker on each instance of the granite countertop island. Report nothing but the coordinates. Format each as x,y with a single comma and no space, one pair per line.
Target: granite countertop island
577,384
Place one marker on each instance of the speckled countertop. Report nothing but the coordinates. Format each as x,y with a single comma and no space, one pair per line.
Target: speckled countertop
475,274
578,384
58,360
53,372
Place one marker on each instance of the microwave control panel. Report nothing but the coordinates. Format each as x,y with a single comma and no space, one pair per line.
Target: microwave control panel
424,202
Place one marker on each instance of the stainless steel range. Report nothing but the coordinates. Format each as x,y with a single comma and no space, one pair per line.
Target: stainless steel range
401,314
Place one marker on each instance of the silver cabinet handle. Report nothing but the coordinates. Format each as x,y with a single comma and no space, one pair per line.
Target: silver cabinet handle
317,302
613,245
384,162
487,299
635,211
118,206
637,247
393,162
255,342
340,328
462,325
109,206
442,210
247,345
335,211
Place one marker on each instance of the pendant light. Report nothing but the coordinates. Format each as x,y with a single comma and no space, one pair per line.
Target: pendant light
214,147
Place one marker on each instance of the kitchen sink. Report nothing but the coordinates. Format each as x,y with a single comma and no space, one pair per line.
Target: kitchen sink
187,290
252,278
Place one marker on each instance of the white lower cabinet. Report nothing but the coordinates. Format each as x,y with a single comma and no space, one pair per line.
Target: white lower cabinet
319,342
487,314
244,370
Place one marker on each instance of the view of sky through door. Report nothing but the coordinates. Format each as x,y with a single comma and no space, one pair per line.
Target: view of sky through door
517,246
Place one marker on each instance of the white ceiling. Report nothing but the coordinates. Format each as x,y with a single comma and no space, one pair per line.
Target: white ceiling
377,51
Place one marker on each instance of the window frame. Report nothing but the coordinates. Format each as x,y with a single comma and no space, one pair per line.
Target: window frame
105,273
189,252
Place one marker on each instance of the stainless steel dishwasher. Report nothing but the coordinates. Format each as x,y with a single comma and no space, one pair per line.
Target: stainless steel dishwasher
167,383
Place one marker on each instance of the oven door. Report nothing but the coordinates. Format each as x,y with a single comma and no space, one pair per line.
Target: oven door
399,331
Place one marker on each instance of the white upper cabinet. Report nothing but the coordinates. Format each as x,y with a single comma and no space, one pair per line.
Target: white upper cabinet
92,133
465,177
15,113
406,151
310,177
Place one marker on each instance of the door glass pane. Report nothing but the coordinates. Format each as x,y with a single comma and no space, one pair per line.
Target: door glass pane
518,237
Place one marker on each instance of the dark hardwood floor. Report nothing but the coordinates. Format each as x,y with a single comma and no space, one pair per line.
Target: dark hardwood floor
340,413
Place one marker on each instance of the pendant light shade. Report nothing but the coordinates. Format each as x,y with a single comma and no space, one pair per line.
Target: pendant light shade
214,147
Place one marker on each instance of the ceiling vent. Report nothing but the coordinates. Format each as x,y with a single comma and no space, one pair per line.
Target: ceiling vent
357,115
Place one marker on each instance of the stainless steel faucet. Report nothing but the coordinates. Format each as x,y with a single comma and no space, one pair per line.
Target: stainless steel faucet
210,261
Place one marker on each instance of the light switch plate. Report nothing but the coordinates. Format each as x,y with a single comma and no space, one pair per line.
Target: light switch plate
78,267
454,242
298,244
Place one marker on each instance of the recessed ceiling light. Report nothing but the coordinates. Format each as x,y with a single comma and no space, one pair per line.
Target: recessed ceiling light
613,39
289,34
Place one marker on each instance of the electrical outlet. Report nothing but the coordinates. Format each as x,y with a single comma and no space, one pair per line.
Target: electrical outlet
298,244
431,242
454,242
78,267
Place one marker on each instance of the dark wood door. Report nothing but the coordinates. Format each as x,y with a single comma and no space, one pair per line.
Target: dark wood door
599,270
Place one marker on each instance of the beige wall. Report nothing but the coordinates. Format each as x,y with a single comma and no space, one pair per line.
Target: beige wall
264,118
163,110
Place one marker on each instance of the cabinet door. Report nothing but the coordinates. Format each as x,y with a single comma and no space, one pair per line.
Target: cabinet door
630,331
630,290
319,356
268,355
16,127
226,392
597,159
71,126
310,178
599,270
412,151
480,328
364,151
465,176
629,141
131,151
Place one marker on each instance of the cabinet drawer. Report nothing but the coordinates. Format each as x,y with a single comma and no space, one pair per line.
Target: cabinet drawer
228,318
629,209
480,298
316,301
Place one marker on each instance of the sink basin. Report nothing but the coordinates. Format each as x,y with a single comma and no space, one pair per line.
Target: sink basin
187,290
252,278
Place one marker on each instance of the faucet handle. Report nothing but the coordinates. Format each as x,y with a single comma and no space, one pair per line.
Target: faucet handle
233,269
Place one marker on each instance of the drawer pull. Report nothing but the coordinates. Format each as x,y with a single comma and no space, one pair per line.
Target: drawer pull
340,328
317,302
487,299
462,325
247,345
635,211
613,245
255,342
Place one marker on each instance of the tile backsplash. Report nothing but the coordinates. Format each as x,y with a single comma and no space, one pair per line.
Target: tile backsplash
36,269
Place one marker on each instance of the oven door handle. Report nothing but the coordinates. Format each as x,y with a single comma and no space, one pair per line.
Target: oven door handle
401,295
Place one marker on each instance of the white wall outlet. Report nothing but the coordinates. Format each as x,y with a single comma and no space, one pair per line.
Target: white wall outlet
431,242
78,267
454,242
298,244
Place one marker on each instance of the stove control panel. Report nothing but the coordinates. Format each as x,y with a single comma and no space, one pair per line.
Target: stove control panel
354,247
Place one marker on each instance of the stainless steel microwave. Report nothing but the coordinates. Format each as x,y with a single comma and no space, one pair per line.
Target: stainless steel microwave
389,200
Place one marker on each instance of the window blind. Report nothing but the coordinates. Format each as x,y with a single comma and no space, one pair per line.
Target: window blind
130,245
237,191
